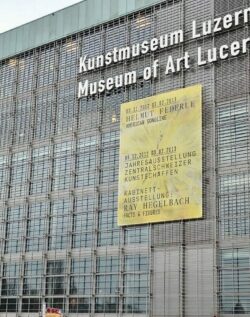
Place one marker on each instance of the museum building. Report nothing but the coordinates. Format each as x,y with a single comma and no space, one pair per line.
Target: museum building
79,86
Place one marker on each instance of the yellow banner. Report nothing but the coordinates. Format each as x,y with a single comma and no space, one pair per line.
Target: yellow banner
160,173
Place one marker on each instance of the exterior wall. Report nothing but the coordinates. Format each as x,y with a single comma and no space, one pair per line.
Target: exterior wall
59,24
59,171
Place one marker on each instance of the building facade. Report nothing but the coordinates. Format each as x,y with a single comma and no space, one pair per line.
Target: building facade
59,164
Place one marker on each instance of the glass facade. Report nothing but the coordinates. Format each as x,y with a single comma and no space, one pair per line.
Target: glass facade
59,164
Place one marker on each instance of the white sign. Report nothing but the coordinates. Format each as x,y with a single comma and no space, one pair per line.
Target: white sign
173,65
